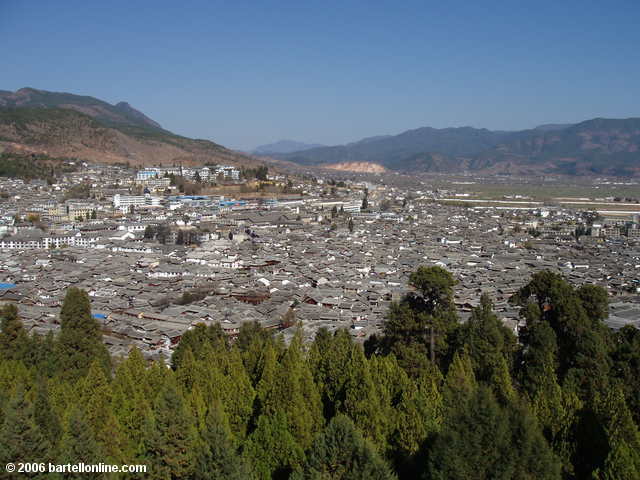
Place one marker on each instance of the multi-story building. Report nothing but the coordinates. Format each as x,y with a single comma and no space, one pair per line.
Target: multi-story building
124,202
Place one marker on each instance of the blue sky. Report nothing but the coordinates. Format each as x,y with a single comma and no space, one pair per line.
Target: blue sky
248,73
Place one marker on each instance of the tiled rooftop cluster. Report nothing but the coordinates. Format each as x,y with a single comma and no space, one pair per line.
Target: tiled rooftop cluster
316,255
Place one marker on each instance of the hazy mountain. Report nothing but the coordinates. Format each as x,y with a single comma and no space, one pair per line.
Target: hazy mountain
284,146
369,139
598,146
553,126
390,150
67,125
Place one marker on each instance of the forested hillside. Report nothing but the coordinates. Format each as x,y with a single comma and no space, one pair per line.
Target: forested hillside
431,398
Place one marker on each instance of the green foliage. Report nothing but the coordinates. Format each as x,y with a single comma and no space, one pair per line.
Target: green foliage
44,415
490,344
14,343
626,366
218,458
32,167
196,339
258,173
477,441
560,402
78,443
419,325
21,439
623,459
170,441
272,450
288,387
340,452
80,339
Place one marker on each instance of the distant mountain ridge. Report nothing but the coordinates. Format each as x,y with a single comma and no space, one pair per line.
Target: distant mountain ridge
67,125
119,114
284,146
593,147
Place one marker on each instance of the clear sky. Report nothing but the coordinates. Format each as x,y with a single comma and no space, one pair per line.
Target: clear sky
247,73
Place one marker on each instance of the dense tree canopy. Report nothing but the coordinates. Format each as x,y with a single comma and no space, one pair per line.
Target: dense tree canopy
431,397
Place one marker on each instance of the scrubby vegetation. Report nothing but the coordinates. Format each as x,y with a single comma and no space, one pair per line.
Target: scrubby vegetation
31,167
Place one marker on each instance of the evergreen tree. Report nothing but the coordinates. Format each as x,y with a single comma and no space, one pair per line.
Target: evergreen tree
21,439
623,459
340,452
235,390
14,342
329,358
419,415
218,458
271,449
460,383
78,444
293,392
490,344
131,401
362,401
421,322
96,402
626,366
80,339
195,340
251,342
477,441
170,442
44,415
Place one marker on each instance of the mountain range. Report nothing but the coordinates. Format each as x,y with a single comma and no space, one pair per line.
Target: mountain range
74,126
594,147
284,146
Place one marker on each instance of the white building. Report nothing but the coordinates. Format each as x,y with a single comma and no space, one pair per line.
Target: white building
124,202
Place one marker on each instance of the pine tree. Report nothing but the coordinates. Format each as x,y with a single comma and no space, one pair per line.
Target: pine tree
80,339
195,340
293,392
96,401
489,343
362,402
271,449
44,415
13,337
623,459
460,383
419,414
252,341
417,327
501,382
237,392
477,441
328,358
626,366
131,401
21,439
78,444
218,458
340,452
170,441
